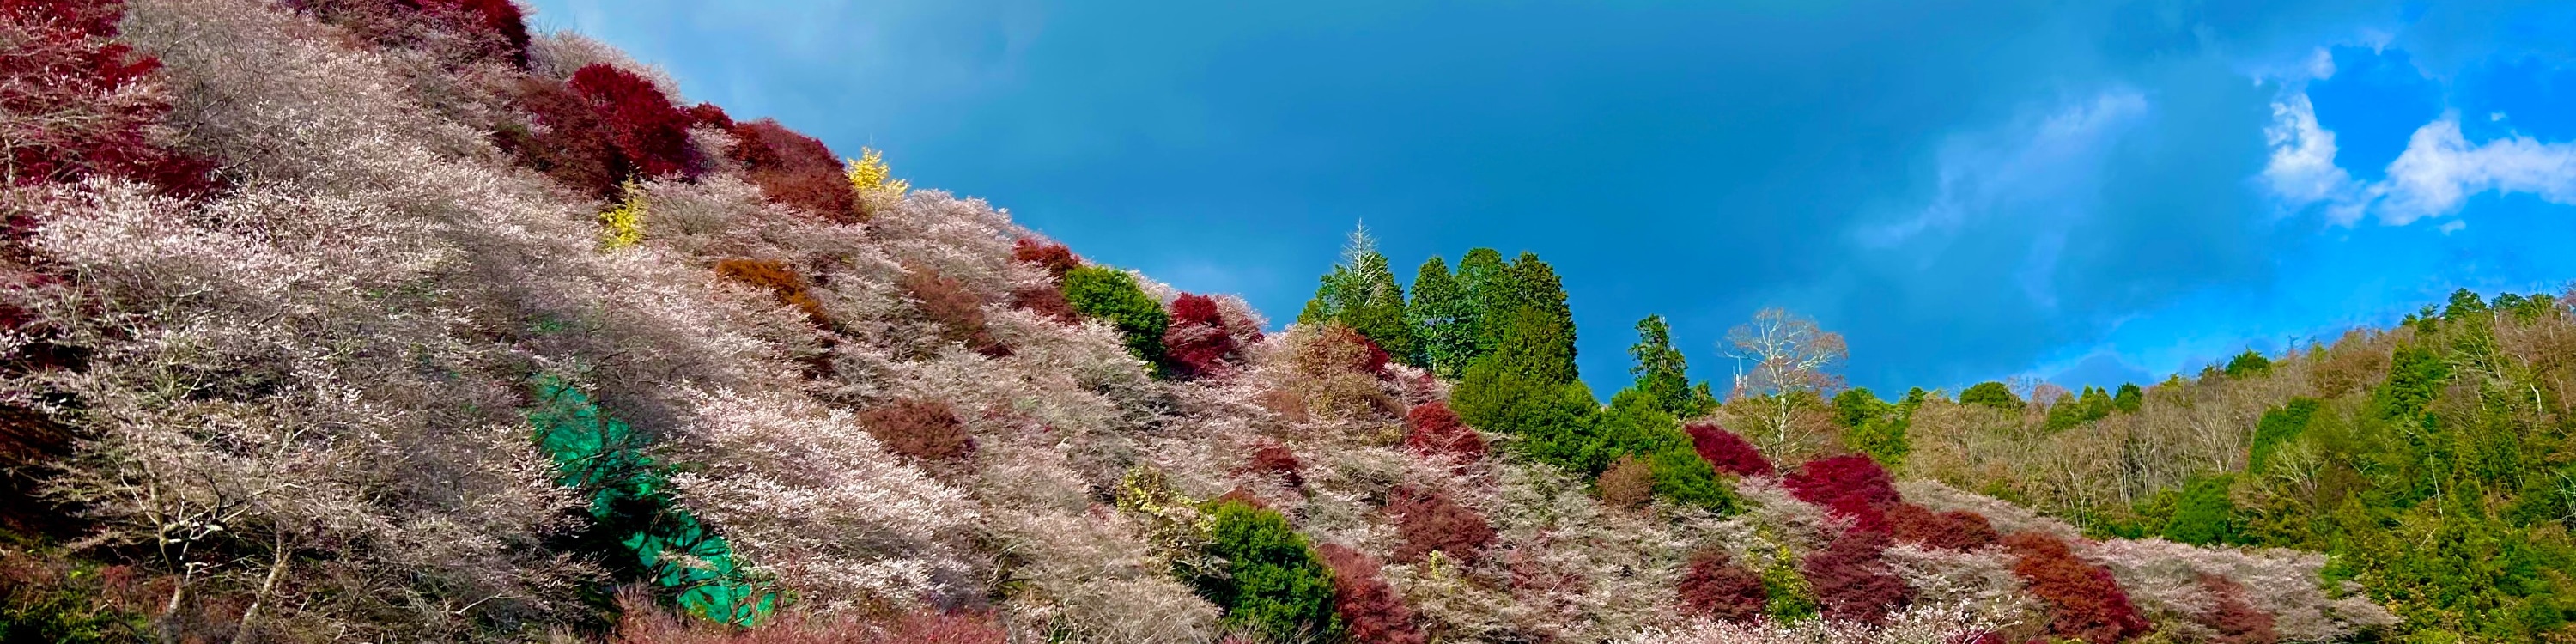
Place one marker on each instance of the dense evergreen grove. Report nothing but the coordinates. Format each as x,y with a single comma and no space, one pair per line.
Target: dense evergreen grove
388,320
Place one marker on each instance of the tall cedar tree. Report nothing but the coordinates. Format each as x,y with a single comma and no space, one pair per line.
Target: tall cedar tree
1491,297
1367,604
1272,582
1361,293
1527,388
1444,317
1112,296
1539,288
1664,375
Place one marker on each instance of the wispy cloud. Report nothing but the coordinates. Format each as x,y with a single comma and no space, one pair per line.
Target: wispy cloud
2434,177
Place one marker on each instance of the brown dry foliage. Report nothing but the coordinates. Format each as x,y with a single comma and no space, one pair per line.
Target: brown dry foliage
918,428
959,312
1629,483
779,280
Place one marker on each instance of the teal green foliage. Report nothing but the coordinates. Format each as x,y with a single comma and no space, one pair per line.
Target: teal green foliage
632,511
1991,394
1445,319
1111,295
2203,515
2277,427
1663,375
2249,363
2129,399
1361,293
1272,583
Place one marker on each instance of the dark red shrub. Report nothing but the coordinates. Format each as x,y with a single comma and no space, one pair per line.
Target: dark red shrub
570,143
1851,581
1628,483
918,428
1714,586
1367,605
500,20
1047,302
1369,359
779,280
1241,495
1954,530
1850,485
709,115
1432,429
2083,601
959,312
1197,345
2237,621
1428,520
72,105
794,170
1274,459
1055,258
1727,451
641,123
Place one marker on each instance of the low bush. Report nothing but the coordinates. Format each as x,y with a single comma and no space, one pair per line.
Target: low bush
1056,258
959,313
641,123
1198,344
1953,530
793,169
2083,601
1113,296
1727,451
1852,582
779,280
1371,609
1274,459
76,104
1273,583
1713,586
927,429
1850,485
1430,428
1428,521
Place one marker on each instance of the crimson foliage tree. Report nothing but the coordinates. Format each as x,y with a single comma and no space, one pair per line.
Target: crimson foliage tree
1850,485
639,119
499,19
1715,587
1432,429
958,311
1727,451
1851,581
1428,520
2237,621
1199,344
74,104
792,169
1055,258
1369,608
2083,601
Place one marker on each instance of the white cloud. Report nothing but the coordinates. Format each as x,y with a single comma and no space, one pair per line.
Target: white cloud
2437,173
2440,169
2302,170
2047,162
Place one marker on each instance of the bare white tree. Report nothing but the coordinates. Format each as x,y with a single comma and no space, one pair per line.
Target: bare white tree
1793,361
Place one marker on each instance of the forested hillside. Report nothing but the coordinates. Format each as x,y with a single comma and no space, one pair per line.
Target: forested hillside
388,320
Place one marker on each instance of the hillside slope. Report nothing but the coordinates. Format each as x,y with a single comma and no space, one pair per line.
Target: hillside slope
384,320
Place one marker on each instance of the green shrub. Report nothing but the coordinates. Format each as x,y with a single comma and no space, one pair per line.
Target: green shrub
1272,583
1991,394
1113,296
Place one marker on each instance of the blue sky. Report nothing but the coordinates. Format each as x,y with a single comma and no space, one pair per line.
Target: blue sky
2081,192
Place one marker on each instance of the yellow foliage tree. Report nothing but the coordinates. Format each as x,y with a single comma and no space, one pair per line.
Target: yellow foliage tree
623,224
874,182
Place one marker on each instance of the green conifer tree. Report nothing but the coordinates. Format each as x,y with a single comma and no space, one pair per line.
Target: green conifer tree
1361,293
1444,318
1491,297
1663,374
